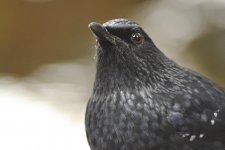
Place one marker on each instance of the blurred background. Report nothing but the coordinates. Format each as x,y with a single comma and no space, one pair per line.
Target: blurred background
47,63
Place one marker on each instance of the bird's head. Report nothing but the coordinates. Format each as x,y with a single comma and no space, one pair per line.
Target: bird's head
121,37
125,50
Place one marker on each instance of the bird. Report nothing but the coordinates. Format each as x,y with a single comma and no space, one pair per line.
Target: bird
143,100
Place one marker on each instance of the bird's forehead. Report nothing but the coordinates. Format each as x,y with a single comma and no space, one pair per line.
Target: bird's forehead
120,23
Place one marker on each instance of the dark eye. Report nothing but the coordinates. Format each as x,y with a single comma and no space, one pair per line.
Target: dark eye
137,38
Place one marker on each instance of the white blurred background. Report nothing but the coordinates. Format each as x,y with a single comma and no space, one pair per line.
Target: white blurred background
47,63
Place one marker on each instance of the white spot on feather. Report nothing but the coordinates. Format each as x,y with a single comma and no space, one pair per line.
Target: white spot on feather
130,103
215,114
185,135
122,96
196,91
142,93
192,138
127,94
132,96
201,135
212,122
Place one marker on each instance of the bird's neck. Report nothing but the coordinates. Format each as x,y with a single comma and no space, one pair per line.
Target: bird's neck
120,76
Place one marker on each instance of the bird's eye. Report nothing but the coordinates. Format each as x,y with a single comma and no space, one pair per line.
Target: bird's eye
137,38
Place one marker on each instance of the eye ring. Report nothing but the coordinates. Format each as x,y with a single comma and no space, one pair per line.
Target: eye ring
137,38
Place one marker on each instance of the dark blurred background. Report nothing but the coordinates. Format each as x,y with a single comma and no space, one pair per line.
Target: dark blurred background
47,59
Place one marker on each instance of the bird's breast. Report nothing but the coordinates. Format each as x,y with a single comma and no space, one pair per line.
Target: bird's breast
123,119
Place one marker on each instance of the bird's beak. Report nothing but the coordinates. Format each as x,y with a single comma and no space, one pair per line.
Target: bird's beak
101,33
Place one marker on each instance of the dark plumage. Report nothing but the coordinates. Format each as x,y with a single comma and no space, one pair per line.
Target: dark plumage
142,100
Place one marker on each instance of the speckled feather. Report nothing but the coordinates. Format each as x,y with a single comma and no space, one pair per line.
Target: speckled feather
142,100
